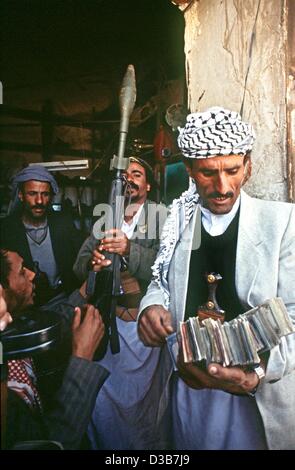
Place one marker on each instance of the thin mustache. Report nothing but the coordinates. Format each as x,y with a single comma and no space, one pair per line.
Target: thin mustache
38,207
215,195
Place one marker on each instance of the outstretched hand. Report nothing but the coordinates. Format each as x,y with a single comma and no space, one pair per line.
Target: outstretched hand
87,332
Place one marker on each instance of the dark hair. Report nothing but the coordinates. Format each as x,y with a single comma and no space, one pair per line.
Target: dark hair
148,169
187,161
5,267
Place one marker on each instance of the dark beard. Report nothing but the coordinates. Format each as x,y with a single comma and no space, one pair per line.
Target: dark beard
28,215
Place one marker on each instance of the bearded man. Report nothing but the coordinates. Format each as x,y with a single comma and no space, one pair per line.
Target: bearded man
47,241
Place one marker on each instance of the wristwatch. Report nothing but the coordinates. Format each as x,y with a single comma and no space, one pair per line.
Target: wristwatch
259,371
261,374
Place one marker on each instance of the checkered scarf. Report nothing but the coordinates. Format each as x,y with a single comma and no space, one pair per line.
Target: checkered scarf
181,212
214,132
22,380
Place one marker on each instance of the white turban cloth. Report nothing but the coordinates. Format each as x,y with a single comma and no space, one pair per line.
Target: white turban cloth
215,132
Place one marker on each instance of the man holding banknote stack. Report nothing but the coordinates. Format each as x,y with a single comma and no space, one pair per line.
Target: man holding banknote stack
215,227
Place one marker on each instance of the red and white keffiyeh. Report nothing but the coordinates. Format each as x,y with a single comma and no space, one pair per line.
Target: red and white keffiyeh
22,380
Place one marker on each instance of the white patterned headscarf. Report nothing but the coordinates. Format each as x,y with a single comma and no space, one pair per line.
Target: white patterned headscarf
215,132
181,212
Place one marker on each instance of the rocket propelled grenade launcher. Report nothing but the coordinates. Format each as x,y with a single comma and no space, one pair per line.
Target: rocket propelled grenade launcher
104,287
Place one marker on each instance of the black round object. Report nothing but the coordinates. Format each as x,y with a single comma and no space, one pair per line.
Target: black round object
32,333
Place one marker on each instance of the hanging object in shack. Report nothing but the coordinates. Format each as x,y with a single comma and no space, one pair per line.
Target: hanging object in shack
181,2
176,115
164,144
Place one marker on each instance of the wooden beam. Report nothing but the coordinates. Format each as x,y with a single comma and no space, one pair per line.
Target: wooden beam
35,148
55,119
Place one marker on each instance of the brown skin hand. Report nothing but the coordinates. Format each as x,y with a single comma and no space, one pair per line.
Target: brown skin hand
87,333
155,325
115,242
229,379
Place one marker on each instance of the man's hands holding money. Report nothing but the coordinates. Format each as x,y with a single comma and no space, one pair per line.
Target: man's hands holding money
155,324
229,379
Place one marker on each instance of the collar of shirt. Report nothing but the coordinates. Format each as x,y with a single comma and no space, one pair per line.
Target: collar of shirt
128,229
36,227
37,233
217,224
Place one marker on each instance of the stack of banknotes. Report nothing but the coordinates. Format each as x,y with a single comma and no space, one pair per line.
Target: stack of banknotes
234,343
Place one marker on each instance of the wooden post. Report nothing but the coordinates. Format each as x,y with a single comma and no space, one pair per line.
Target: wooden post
290,99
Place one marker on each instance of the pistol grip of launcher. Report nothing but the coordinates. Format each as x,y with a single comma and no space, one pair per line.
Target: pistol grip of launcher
103,288
90,284
211,309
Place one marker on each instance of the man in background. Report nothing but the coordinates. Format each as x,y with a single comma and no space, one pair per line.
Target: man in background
133,241
47,241
120,403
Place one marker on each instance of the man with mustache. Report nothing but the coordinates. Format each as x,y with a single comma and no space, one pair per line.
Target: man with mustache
137,241
47,241
119,406
251,243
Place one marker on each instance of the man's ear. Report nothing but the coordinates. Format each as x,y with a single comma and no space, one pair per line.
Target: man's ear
247,169
20,196
188,167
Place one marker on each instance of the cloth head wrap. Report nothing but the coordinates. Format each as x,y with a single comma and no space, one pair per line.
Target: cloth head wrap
32,172
217,131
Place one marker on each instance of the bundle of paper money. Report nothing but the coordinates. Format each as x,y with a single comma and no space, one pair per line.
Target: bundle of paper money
237,342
